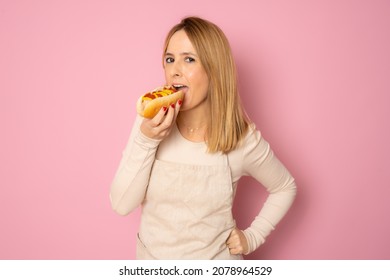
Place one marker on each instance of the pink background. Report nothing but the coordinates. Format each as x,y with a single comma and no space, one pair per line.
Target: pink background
314,77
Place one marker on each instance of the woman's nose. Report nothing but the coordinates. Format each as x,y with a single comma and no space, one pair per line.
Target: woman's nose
176,70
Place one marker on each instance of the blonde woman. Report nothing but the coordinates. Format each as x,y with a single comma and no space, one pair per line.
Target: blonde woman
183,165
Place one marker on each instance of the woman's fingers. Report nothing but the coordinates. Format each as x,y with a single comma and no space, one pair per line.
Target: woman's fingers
160,126
168,118
237,242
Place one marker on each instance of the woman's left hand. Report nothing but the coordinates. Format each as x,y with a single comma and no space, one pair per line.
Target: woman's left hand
237,242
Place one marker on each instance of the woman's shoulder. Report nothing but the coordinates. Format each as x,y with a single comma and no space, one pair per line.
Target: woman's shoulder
250,139
253,135
245,152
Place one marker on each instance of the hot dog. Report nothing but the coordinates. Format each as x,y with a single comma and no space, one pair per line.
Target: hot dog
149,104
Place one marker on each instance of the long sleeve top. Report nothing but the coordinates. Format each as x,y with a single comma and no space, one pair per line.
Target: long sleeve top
253,157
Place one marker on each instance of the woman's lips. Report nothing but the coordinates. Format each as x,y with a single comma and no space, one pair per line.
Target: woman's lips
182,88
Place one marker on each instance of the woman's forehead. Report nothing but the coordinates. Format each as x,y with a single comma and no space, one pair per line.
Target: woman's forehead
179,43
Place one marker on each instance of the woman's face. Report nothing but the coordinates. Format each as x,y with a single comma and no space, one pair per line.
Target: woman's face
184,70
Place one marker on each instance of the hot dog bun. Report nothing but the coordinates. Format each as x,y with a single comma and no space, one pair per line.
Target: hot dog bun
149,104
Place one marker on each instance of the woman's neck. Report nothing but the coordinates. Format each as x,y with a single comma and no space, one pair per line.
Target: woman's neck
192,124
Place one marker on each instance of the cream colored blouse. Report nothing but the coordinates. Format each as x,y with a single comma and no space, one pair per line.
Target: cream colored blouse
253,158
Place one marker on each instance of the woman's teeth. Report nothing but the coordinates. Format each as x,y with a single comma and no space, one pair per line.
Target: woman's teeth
179,86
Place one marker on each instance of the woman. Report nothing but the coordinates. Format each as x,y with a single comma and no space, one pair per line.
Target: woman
184,164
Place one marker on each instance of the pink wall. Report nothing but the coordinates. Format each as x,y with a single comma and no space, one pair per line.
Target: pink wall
314,77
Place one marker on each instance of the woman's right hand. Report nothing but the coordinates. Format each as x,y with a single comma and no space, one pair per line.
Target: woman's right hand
161,125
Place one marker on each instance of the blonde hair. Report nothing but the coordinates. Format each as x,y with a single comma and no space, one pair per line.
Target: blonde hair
228,121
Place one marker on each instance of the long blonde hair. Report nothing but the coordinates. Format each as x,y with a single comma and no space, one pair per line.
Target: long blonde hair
228,121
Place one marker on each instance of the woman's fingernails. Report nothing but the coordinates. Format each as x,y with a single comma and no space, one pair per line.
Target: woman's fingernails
179,102
173,106
165,109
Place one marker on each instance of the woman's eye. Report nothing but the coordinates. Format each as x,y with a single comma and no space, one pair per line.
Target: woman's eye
169,60
189,59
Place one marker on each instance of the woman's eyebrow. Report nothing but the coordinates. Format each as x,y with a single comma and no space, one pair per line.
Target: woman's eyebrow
188,53
182,54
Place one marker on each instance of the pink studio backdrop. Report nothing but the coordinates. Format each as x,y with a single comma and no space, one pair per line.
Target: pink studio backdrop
314,77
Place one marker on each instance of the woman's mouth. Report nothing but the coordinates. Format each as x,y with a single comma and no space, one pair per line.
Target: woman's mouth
183,88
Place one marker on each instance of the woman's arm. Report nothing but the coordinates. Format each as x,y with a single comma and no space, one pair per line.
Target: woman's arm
132,176
261,163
